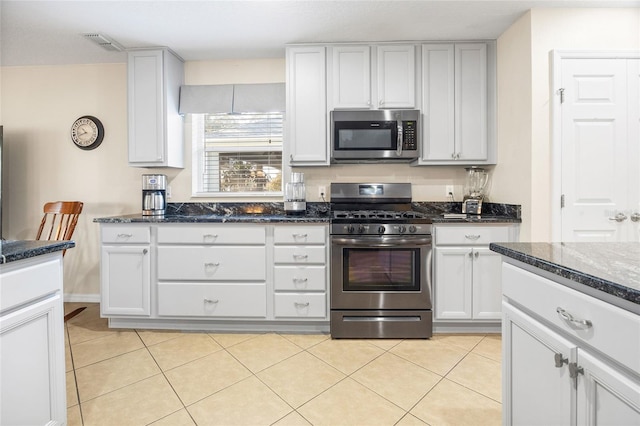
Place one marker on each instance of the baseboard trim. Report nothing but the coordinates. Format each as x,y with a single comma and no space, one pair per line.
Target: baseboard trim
82,298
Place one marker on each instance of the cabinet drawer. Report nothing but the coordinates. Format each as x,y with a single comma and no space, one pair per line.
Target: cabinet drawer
614,331
132,234
212,234
310,305
25,280
305,254
468,235
299,234
212,300
212,263
300,278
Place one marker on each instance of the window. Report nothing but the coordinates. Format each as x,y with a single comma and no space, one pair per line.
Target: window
237,154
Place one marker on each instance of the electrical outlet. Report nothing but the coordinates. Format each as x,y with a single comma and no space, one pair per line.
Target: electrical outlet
322,192
168,191
448,191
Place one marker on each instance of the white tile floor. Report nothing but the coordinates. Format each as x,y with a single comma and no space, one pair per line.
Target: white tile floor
138,377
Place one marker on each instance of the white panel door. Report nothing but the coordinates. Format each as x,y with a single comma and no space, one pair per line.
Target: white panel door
596,167
453,275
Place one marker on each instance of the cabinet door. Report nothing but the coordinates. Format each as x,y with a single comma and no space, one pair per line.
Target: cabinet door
605,395
351,77
438,96
125,280
306,123
471,101
396,76
32,389
536,390
453,274
155,126
487,288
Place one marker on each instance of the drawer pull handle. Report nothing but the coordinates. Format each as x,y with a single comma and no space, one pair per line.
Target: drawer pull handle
560,360
300,280
211,300
125,235
300,256
299,235
212,236
301,305
211,264
472,237
568,317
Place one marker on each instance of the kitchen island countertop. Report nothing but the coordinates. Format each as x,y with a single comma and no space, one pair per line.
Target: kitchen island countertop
12,250
608,271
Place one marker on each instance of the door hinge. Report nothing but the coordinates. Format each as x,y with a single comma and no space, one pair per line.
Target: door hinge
561,93
562,201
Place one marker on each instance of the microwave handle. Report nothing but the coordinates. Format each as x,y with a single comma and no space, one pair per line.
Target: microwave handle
400,139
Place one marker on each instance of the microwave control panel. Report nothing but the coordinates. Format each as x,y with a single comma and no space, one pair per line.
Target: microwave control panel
410,138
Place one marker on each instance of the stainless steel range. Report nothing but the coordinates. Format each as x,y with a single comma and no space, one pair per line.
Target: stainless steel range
380,263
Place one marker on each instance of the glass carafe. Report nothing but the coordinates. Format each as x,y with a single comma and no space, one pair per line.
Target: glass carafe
477,178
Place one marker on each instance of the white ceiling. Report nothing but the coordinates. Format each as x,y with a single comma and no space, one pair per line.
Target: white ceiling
50,32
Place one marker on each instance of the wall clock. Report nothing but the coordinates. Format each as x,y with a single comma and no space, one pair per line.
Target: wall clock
87,132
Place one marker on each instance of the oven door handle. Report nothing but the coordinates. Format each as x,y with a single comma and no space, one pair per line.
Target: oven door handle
382,241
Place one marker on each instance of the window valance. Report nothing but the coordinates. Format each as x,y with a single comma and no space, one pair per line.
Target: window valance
232,98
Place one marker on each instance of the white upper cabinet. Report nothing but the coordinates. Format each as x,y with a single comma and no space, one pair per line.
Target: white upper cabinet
351,77
396,76
306,140
372,77
156,135
458,92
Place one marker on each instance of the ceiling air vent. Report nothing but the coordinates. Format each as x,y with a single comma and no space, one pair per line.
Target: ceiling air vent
105,42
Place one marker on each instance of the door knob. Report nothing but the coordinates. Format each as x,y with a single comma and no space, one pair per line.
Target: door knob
620,217
635,217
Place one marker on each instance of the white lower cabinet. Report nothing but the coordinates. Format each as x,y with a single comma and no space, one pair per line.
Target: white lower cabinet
559,372
212,300
125,270
467,277
300,271
177,273
32,361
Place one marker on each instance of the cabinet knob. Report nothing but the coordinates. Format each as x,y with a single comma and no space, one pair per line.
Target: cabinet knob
574,370
635,217
145,251
560,360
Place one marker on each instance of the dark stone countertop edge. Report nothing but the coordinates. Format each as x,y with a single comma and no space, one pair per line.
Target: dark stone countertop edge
316,212
610,287
13,250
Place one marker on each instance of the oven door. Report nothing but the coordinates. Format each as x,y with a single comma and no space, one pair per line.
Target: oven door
381,272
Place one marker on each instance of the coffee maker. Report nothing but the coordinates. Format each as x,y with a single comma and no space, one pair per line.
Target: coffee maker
154,195
475,190
295,194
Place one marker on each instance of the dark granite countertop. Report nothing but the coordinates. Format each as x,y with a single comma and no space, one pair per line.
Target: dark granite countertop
12,250
613,268
316,213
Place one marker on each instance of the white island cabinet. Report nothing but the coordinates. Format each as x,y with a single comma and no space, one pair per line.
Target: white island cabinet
569,358
32,361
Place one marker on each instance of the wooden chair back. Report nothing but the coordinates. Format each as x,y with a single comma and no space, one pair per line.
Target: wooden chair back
59,220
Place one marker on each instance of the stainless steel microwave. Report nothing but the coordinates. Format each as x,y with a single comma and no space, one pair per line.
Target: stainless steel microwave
388,135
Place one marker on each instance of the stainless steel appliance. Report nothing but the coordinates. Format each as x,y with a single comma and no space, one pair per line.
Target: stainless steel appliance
374,135
475,190
380,263
154,195
295,195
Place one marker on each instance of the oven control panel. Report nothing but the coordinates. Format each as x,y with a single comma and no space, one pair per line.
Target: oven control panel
380,229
